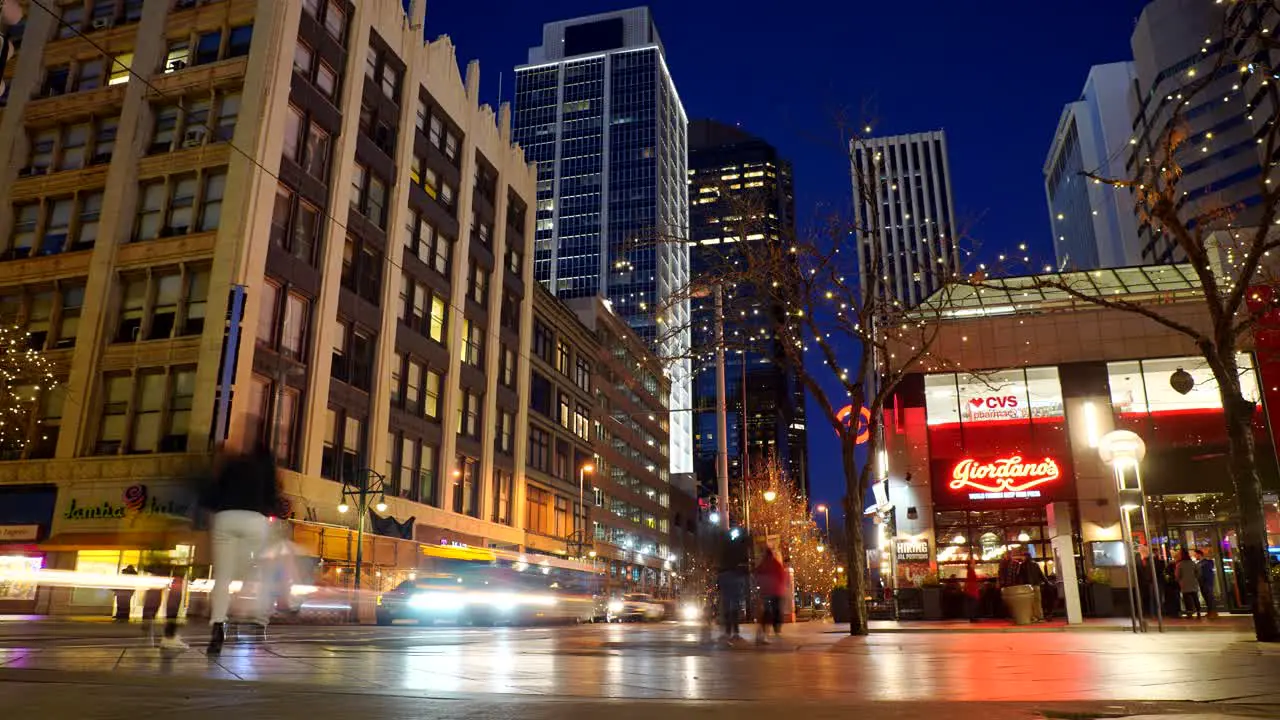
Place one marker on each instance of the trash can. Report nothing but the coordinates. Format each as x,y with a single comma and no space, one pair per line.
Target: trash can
1019,598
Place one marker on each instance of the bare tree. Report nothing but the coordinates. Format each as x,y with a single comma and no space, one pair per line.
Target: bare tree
796,300
1228,245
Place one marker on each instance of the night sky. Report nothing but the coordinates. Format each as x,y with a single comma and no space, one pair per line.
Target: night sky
994,75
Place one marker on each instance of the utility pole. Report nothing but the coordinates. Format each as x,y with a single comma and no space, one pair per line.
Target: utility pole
722,431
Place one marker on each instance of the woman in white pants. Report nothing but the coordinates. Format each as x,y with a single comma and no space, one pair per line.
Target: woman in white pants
244,492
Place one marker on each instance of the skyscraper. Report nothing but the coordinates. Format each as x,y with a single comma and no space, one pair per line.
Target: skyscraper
732,171
1093,224
597,111
912,238
1185,82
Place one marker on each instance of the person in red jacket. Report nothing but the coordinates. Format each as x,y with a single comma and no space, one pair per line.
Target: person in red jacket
972,590
772,578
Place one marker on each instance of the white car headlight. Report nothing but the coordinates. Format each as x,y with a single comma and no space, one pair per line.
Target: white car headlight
436,601
690,611
615,606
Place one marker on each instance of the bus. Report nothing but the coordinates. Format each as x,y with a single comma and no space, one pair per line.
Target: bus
482,586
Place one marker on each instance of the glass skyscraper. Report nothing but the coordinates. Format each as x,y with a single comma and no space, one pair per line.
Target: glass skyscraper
732,171
596,110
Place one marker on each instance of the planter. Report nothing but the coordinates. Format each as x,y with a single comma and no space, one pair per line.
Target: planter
1101,600
840,605
932,602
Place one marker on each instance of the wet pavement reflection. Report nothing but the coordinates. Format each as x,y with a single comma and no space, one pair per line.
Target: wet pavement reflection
669,661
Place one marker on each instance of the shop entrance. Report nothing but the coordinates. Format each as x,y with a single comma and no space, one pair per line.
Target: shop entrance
1221,545
1202,521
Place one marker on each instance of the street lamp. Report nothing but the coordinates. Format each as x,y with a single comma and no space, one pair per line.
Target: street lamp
826,519
370,484
583,471
822,548
1124,450
770,496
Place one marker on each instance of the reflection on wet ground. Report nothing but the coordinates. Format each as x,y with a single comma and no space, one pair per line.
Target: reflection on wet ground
669,661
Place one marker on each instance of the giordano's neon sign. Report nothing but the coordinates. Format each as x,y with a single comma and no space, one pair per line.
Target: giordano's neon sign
1006,477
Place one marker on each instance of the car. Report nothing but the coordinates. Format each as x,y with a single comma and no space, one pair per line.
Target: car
424,600
637,607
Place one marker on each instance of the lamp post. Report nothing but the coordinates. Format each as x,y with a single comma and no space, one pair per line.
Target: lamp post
770,496
370,483
1124,450
826,520
582,507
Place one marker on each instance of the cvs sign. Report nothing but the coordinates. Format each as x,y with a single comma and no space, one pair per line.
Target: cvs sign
995,407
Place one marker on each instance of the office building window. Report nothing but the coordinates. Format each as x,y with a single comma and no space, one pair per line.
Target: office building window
502,495
295,225
473,342
428,244
503,440
55,225
466,495
180,204
469,413
369,195
479,284
562,357
145,412
162,304
539,455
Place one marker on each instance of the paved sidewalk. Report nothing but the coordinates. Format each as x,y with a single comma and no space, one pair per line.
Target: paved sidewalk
104,697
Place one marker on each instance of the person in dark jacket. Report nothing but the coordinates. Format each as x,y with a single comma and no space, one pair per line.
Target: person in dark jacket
735,562
124,596
1030,573
242,495
1207,581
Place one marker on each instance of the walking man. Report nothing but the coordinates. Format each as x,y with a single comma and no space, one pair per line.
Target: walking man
1207,581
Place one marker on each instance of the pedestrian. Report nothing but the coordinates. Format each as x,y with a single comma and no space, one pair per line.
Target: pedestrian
972,590
771,575
732,582
1208,578
243,493
124,596
1029,573
1188,574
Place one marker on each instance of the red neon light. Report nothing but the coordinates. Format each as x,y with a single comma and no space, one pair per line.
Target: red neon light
1009,474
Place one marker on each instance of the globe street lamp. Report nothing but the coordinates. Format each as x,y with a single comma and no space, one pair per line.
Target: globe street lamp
770,496
1123,451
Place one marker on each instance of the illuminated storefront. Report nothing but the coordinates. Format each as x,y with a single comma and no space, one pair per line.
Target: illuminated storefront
1003,444
998,453
1034,377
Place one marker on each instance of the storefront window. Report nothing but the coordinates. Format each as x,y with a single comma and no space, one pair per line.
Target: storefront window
108,562
988,536
16,589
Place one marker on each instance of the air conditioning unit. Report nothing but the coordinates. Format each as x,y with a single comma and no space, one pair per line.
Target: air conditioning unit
177,65
103,23
194,137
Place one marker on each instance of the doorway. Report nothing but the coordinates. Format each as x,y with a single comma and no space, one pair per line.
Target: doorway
1220,544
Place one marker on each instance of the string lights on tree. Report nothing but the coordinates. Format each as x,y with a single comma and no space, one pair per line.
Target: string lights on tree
25,376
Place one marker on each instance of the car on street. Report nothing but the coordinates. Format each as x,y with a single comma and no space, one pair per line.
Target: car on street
637,607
